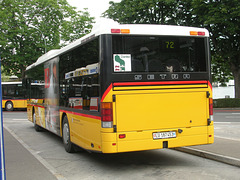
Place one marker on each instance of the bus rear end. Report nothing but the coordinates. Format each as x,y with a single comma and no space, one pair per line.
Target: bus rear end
158,91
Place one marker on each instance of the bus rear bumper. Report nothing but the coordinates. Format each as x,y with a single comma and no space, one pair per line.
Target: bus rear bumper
143,140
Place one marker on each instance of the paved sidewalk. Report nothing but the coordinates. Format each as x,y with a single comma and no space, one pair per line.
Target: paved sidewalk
223,150
226,149
21,164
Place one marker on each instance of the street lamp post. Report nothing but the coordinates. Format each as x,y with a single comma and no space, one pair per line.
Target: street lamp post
45,50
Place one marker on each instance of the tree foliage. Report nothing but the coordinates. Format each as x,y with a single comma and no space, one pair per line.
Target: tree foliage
25,27
220,17
140,12
78,24
220,69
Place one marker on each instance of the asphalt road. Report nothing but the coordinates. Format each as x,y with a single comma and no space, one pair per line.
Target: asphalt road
227,124
226,116
157,164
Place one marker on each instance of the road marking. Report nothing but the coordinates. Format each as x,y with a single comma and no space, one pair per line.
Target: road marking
222,122
226,113
19,119
233,117
14,122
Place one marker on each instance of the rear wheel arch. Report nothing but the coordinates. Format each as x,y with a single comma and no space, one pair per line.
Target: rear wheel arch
61,125
68,145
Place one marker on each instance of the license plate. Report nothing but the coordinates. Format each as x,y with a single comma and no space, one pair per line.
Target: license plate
164,135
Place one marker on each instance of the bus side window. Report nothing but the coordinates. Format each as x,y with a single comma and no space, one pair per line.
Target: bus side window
4,91
82,92
94,94
10,90
86,93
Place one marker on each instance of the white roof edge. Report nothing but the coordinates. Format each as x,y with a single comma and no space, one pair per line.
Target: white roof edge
13,82
104,26
48,55
31,66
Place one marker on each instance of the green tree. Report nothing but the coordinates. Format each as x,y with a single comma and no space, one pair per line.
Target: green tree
139,11
75,26
222,19
27,28
3,76
220,70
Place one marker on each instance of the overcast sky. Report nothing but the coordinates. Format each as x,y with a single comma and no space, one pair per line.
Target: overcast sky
95,7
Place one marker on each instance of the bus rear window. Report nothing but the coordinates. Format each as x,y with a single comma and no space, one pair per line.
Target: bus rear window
158,54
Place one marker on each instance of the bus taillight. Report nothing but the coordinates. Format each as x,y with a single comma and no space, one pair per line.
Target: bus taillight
201,33
211,109
107,115
115,30
123,31
197,33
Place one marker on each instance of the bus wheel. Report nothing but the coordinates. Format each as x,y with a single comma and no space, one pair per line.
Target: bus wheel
36,127
9,106
69,146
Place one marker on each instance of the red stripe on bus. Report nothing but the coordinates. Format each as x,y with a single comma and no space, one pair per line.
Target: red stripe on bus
210,85
14,99
93,108
80,114
158,83
106,92
37,106
78,107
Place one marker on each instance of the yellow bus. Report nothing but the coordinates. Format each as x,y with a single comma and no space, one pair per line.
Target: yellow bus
125,88
13,96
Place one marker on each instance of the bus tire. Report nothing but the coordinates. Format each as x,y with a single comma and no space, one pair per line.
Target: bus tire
68,145
36,127
9,106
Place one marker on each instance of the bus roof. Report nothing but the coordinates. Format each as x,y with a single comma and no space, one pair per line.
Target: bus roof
107,26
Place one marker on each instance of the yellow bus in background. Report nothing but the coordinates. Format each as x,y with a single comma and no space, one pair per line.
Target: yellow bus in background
13,96
125,88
